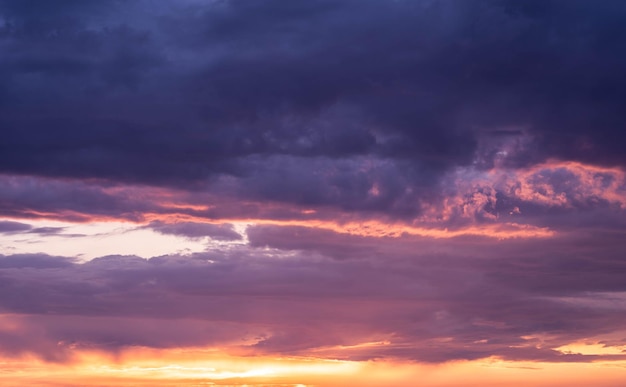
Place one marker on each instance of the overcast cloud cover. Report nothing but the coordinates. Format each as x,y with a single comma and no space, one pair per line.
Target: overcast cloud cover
444,177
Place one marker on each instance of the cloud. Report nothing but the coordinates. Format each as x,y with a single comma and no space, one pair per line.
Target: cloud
369,199
36,261
47,230
351,137
224,232
7,226
188,93
312,292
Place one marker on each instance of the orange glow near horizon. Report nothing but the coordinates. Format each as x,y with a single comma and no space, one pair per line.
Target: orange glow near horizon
202,367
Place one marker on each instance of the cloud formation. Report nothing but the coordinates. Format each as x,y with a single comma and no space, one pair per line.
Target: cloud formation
311,92
407,181
320,292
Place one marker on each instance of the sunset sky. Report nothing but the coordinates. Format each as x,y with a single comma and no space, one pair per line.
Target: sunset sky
303,193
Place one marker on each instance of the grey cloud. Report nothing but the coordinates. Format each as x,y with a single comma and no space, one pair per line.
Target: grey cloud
7,226
35,261
47,230
224,232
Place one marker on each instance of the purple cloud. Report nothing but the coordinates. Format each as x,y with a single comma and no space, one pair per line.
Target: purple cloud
287,99
430,301
307,120
222,232
7,226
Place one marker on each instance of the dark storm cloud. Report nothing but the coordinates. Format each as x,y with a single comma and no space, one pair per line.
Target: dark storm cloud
428,300
81,201
181,93
77,201
359,183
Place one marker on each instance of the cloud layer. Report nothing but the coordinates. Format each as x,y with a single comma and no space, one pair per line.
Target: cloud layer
309,103
296,291
414,181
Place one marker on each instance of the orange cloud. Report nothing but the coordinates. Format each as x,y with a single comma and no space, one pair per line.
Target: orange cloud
469,209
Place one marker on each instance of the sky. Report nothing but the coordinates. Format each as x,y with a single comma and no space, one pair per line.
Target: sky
312,193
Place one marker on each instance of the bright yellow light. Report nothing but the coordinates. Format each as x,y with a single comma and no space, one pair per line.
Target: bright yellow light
585,348
204,367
